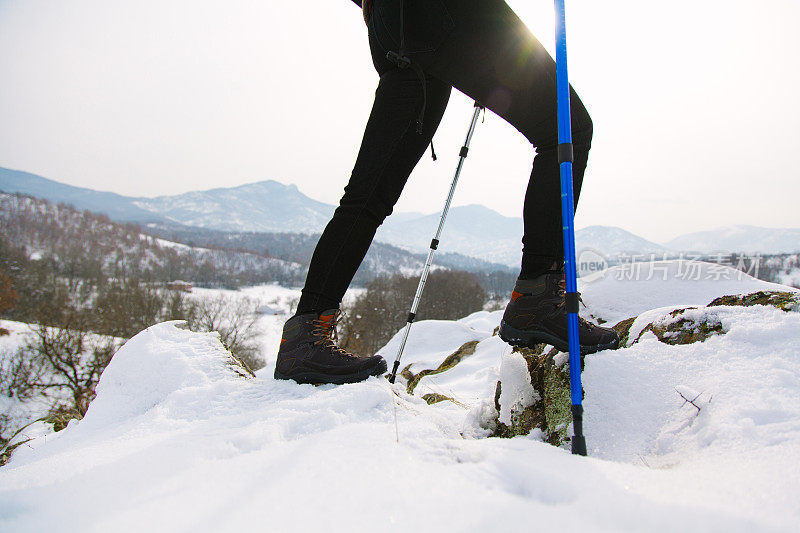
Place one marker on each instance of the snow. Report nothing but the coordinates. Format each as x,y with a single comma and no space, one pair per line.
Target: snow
791,278
740,238
177,440
742,446
517,391
625,291
176,245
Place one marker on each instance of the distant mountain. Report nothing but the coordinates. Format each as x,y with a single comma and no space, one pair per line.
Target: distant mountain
116,206
84,245
740,238
269,206
478,231
612,242
264,206
473,230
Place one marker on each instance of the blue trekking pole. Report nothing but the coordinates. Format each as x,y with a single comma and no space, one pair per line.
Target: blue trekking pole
568,228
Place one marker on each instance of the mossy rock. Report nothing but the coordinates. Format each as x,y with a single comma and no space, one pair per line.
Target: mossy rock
785,301
623,329
466,349
522,422
551,413
557,404
435,397
683,330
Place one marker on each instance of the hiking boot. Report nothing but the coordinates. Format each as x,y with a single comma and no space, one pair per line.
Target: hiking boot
308,353
537,314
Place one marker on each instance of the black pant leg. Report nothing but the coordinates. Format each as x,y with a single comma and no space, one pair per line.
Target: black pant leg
390,149
484,50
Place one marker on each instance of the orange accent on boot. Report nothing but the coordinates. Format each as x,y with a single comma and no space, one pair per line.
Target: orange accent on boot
515,295
326,318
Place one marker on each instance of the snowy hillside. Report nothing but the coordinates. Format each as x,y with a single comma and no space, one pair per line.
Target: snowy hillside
611,241
477,231
180,439
263,206
472,230
740,238
66,236
116,206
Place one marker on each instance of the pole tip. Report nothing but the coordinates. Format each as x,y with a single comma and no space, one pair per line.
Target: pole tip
395,366
579,445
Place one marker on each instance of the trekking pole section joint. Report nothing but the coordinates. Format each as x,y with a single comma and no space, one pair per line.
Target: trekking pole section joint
571,301
565,153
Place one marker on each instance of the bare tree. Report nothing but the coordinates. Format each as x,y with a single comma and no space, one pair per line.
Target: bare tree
8,295
71,361
62,364
375,316
235,320
17,373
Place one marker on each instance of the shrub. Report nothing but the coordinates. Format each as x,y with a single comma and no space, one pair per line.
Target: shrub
234,319
375,316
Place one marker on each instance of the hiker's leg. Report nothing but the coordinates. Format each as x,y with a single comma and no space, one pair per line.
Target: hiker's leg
390,149
486,52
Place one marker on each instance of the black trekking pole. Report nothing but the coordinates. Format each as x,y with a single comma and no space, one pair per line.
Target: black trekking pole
462,155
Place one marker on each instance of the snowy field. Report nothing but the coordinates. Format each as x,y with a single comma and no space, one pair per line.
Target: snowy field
177,440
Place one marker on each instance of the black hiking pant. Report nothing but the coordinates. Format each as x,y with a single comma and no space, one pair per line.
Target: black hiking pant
481,48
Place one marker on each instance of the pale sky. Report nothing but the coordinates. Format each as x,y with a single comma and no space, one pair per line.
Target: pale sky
695,106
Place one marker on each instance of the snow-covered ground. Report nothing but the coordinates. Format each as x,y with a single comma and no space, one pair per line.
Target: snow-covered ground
177,440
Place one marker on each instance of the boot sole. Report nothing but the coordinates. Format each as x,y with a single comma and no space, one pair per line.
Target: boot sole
319,378
529,339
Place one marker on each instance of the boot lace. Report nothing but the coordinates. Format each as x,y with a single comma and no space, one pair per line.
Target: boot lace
326,334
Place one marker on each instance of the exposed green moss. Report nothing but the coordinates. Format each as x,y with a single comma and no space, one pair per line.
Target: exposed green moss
522,422
683,330
537,350
785,301
623,329
435,397
551,413
466,349
407,373
557,403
